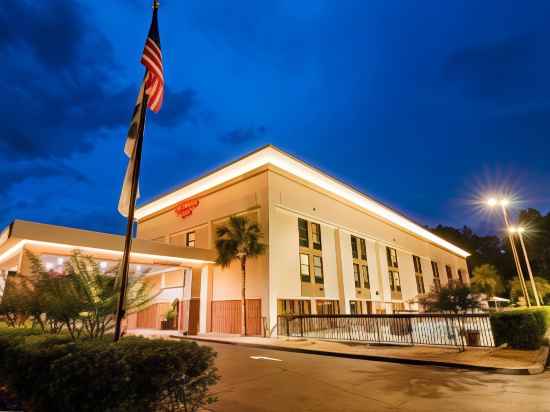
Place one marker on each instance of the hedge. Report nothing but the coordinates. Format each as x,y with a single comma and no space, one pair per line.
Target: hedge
51,373
521,328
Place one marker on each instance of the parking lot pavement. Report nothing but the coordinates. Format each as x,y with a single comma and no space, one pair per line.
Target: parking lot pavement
266,380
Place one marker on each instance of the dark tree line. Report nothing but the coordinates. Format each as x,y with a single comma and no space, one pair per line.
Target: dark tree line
495,250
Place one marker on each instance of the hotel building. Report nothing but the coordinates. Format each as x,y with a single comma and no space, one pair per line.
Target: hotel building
330,249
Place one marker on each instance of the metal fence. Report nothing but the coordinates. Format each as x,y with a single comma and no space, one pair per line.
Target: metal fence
405,329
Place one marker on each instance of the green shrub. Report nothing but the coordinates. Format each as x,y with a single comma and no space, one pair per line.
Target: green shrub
521,328
134,374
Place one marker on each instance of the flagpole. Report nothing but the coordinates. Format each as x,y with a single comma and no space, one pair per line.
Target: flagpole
128,240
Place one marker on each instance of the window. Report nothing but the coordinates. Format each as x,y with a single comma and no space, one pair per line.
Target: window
395,283
397,307
449,273
417,264
355,307
363,249
420,285
356,275
366,280
318,268
460,276
354,253
359,255
190,239
392,257
293,307
316,235
303,232
304,268
435,269
327,307
437,280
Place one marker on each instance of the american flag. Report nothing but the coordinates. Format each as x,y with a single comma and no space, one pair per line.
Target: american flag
152,60
153,83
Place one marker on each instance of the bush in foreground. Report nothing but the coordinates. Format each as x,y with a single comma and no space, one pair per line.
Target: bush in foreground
521,328
52,373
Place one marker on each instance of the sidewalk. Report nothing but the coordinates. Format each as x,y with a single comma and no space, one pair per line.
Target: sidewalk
506,361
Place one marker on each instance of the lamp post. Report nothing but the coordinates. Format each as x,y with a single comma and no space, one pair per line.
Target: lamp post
519,230
492,202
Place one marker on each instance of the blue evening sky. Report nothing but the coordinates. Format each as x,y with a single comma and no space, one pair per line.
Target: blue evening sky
424,105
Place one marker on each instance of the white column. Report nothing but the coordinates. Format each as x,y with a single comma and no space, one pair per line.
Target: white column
204,298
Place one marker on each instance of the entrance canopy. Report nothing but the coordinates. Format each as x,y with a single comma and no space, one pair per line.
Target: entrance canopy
53,242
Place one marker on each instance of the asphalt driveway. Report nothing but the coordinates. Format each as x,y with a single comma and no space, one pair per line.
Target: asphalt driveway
288,381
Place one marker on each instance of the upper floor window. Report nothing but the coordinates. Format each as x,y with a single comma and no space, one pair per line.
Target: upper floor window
190,239
417,264
449,272
460,276
437,280
316,235
420,284
363,245
318,268
354,252
392,257
356,275
366,280
309,234
304,268
435,269
303,232
395,282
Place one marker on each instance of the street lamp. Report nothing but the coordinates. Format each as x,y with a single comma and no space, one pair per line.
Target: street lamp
503,203
519,231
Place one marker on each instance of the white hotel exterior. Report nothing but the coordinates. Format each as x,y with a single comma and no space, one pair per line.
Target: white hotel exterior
282,194
330,249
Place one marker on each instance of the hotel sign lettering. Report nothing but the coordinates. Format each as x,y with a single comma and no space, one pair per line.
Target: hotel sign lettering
185,208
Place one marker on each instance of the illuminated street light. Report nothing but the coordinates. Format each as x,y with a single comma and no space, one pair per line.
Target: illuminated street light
519,231
492,201
503,203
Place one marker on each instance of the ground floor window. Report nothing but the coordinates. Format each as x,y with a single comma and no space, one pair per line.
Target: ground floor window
355,307
327,307
293,307
398,307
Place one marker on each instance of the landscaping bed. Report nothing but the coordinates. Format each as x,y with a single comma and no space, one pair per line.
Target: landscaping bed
54,373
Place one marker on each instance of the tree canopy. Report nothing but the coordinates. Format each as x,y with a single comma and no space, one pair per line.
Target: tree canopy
487,280
495,250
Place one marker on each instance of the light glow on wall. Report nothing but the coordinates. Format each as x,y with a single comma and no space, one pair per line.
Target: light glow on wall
271,156
91,250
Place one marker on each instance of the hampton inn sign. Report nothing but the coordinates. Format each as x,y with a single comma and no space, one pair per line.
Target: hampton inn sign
185,208
331,249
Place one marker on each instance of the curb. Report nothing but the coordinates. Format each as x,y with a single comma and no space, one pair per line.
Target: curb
533,370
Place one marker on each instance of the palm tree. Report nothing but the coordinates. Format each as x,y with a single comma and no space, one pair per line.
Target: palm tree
239,239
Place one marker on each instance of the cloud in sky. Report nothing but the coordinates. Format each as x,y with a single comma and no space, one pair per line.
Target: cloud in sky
405,101
243,135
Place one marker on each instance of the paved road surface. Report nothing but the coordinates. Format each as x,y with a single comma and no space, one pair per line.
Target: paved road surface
301,382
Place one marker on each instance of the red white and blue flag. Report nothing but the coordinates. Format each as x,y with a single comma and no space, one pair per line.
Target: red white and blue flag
153,88
152,60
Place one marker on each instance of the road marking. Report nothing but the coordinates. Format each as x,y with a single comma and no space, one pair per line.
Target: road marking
265,358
